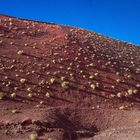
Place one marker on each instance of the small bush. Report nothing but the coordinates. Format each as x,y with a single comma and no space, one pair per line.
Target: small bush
130,91
30,95
14,111
22,80
65,85
33,136
91,77
93,86
20,52
119,94
2,95
13,95
52,80
48,94
62,78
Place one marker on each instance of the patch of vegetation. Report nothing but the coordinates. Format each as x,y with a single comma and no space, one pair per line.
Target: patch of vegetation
91,77
14,111
20,52
22,80
48,94
13,95
2,95
119,94
33,136
30,95
93,86
65,85
52,80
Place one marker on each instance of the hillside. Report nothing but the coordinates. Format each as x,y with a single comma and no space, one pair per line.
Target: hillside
66,83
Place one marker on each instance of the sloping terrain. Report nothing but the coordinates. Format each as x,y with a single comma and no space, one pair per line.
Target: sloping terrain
65,83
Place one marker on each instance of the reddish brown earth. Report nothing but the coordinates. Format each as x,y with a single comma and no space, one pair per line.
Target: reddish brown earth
92,83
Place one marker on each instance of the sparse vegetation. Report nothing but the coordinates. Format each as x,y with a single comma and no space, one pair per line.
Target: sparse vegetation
62,78
130,91
22,81
47,95
91,77
13,95
138,85
2,95
52,80
93,86
14,111
30,95
46,65
20,52
33,136
119,94
96,74
122,107
65,85
118,80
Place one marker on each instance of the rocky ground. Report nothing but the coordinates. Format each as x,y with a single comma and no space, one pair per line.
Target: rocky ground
64,83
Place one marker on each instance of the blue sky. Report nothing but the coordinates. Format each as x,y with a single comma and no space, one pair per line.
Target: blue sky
115,18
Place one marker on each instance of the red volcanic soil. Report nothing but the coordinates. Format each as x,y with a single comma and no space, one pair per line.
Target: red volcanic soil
65,83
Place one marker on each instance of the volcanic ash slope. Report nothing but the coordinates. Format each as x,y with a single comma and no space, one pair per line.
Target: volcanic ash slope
65,83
